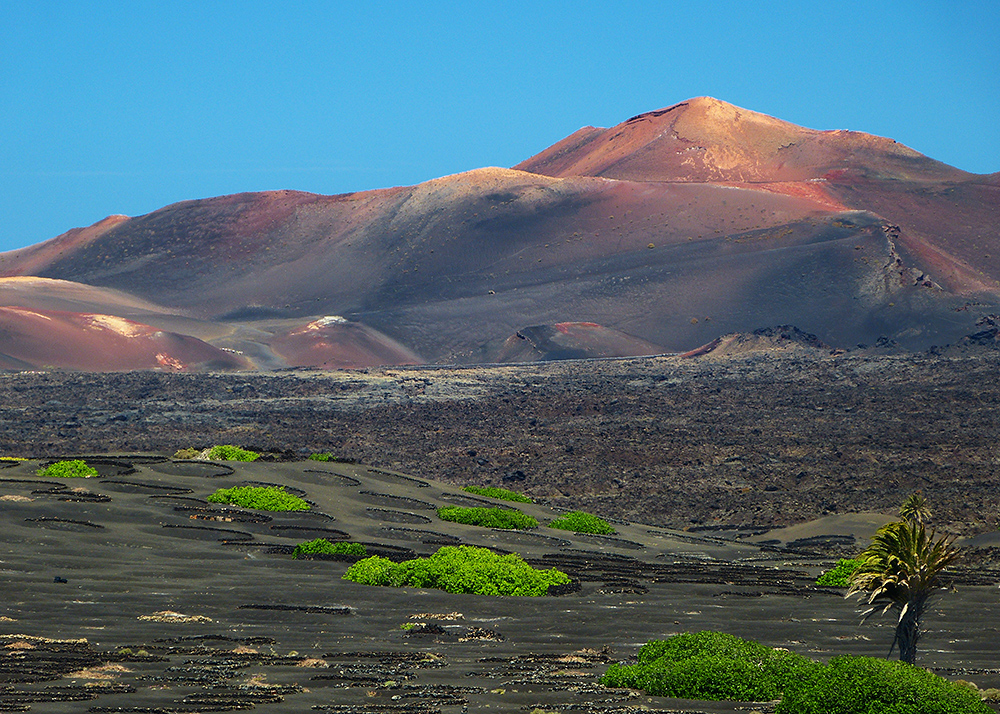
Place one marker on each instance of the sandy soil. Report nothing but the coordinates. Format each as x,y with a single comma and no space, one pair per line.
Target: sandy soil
131,593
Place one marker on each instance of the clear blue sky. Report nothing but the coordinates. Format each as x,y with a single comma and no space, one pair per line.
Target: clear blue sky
125,107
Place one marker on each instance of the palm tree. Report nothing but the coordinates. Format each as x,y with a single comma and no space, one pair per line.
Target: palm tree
901,570
915,508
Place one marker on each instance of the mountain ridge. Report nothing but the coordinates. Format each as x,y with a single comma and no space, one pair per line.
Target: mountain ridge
672,228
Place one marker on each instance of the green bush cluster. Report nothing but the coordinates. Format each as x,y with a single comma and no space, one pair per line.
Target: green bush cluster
506,518
75,468
319,457
716,666
228,452
325,547
459,569
582,522
501,494
262,498
868,685
838,576
712,666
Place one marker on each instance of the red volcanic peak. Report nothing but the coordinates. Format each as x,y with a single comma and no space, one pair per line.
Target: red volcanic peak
704,139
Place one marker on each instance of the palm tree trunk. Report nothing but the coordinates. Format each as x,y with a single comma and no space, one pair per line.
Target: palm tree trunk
908,630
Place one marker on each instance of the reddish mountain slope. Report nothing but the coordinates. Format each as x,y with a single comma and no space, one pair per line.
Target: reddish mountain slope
335,343
948,216
34,339
48,294
672,228
34,259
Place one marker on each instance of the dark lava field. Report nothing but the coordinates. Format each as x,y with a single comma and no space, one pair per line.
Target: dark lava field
745,442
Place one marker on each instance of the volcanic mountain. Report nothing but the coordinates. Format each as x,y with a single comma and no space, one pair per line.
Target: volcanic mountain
664,232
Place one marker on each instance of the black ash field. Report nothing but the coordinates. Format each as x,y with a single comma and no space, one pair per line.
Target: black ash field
131,593
732,482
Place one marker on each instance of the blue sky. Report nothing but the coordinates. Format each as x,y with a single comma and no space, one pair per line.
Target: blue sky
125,107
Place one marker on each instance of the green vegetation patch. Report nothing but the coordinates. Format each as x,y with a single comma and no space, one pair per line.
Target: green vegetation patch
506,518
262,498
69,469
839,575
459,569
498,493
868,685
228,452
332,458
717,666
321,546
581,522
711,666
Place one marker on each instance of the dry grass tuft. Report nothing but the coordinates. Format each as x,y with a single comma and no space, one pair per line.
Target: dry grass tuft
20,645
104,672
174,617
312,662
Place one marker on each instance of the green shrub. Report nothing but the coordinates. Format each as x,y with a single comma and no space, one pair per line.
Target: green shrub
375,570
501,494
866,685
262,498
228,452
69,469
711,666
838,575
507,518
319,457
717,666
325,547
459,569
581,522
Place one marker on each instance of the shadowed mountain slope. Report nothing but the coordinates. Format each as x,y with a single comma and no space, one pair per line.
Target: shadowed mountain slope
572,340
782,338
672,228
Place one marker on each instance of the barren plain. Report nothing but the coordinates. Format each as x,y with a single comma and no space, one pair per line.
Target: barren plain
130,593
732,482
749,441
